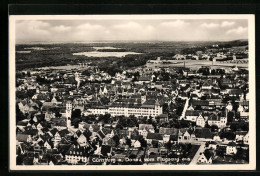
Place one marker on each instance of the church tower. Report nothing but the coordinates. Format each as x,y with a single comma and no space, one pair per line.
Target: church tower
77,79
68,112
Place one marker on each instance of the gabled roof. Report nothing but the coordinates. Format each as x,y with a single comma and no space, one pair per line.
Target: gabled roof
235,91
59,122
136,137
243,133
54,131
95,127
173,137
199,102
203,133
154,136
182,131
41,143
168,131
101,134
40,117
208,154
46,137
231,144
78,151
154,150
22,137
32,132
145,126
193,112
106,131
244,103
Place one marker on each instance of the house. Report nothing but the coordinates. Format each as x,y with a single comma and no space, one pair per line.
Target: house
153,151
244,104
135,141
240,135
82,140
167,132
206,85
100,135
231,148
205,157
154,137
59,123
192,115
200,121
23,138
48,145
144,129
108,132
136,144
185,135
246,139
93,128
114,141
244,116
220,120
76,154
229,107
212,145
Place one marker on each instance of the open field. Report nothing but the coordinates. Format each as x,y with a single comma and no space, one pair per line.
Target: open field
46,55
194,64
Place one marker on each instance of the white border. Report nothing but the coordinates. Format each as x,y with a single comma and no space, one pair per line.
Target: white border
252,106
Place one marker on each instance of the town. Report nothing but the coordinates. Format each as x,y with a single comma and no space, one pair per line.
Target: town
191,108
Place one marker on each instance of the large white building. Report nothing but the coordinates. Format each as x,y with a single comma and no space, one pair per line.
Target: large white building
138,108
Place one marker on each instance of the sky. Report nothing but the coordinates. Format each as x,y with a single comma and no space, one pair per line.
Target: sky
134,30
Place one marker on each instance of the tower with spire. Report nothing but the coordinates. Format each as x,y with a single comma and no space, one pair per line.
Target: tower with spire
68,112
77,79
158,108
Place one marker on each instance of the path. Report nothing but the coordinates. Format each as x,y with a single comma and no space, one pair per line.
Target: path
200,150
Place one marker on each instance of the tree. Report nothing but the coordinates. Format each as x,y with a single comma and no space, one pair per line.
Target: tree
19,160
142,141
128,142
86,73
105,118
245,126
230,116
28,74
165,108
56,111
184,124
214,128
75,122
227,135
220,152
76,113
104,100
239,154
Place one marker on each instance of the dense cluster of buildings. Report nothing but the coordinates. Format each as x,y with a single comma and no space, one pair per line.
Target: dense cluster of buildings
171,115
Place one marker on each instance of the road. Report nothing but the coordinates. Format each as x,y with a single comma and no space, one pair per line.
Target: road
200,150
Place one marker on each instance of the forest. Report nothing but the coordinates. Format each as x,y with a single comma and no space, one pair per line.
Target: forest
44,55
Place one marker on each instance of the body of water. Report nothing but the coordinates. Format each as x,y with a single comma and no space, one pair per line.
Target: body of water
104,54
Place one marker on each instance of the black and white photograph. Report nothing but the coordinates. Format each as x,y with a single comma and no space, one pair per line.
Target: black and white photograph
132,92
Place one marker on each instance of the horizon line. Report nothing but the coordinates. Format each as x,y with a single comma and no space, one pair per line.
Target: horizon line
124,41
